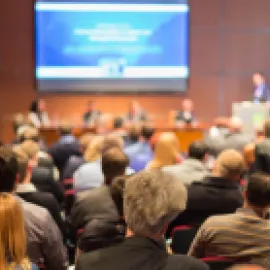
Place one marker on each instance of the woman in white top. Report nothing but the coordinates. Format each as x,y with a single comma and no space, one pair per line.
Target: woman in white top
37,114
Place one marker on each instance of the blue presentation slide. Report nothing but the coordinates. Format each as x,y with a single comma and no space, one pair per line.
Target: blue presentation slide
107,41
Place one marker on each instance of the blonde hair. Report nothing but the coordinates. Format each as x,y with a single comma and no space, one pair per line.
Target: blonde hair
166,151
12,234
93,150
30,149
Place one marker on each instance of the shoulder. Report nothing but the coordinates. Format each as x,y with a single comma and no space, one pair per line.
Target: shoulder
87,259
185,262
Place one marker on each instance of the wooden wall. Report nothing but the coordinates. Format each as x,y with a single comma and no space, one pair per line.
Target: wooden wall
229,41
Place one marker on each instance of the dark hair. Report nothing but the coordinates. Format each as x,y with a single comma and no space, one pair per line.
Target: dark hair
118,122
134,134
197,150
34,106
117,192
8,169
267,128
147,132
258,190
261,73
114,163
65,130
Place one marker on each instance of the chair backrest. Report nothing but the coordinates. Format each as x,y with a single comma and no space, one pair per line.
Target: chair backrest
218,263
182,237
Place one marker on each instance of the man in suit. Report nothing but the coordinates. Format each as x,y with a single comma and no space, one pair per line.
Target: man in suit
136,113
27,191
151,200
262,151
98,203
261,89
91,115
186,115
218,193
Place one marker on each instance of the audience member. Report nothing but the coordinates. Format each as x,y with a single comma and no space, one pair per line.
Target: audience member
12,235
89,175
118,128
249,157
151,201
216,194
243,234
103,233
141,153
193,168
166,151
236,139
44,241
133,135
27,191
42,177
186,115
262,151
66,147
37,113
114,163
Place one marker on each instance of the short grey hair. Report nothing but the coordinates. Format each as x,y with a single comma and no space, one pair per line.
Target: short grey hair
152,200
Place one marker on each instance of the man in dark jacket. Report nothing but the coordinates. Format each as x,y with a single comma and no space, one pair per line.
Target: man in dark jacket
147,213
217,194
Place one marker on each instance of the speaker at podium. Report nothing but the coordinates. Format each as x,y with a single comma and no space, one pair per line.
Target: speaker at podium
253,115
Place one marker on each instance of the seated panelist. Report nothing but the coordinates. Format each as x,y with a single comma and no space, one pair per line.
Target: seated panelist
136,113
186,115
91,115
38,115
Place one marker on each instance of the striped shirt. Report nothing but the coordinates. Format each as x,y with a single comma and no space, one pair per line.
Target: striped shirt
240,235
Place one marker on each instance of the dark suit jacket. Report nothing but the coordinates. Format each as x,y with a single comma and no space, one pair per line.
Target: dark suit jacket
61,152
137,253
43,180
212,196
47,201
93,204
262,156
180,116
265,96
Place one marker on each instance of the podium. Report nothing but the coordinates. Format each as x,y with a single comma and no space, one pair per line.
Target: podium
253,115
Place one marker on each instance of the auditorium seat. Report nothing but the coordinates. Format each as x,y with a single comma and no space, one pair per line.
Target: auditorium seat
182,237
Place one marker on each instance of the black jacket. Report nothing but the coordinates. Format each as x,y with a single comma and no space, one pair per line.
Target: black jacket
212,196
180,116
46,201
44,181
137,253
262,156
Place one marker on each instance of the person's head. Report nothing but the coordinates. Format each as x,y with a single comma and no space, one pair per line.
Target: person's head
24,173
147,132
93,150
166,151
30,149
114,163
12,232
9,169
34,108
85,140
112,141
118,123
187,105
65,129
229,165
267,128
30,134
257,193
134,133
134,105
198,150
258,78
41,105
151,201
117,192
90,106
235,125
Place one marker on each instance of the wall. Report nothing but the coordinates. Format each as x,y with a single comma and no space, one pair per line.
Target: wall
229,40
